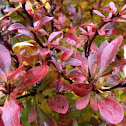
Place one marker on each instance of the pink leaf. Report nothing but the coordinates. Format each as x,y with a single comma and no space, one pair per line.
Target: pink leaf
58,65
98,13
123,16
59,104
5,59
121,20
10,113
25,32
92,62
43,51
82,102
66,55
109,53
46,19
81,89
94,47
112,6
34,75
102,46
71,38
43,32
11,9
81,56
124,7
73,62
83,31
93,103
111,110
54,43
16,26
53,35
62,48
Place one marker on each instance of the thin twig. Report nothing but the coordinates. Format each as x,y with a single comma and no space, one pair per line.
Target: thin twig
52,8
32,25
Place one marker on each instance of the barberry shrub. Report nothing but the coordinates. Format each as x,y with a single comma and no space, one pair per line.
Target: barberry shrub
61,63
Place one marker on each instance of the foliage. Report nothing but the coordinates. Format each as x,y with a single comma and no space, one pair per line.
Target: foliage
61,63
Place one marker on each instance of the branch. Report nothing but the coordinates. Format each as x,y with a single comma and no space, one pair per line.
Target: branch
52,8
24,96
120,85
31,22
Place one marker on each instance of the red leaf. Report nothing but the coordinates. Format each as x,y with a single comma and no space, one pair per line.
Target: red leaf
98,13
81,89
72,30
14,73
46,19
16,26
111,110
82,102
10,113
34,75
53,35
93,103
5,59
15,1
109,53
71,38
44,120
59,104
60,85
1,122
66,55
73,62
76,76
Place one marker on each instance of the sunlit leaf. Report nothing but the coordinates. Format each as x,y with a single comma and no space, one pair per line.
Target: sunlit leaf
29,48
